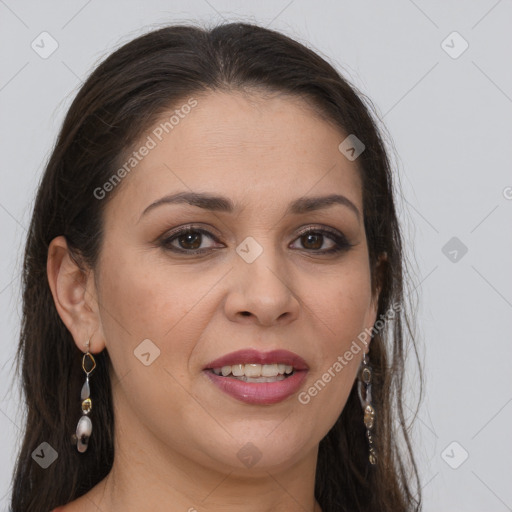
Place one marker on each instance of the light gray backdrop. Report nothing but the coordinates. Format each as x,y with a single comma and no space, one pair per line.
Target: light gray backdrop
439,74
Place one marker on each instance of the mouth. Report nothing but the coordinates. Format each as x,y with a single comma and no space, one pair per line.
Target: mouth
254,372
258,377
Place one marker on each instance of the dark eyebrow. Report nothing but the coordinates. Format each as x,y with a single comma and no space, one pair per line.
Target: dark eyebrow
309,204
223,204
205,201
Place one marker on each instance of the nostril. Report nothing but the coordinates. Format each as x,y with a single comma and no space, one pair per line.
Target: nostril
246,313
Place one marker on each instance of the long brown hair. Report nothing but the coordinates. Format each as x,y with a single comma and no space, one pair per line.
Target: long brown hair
118,102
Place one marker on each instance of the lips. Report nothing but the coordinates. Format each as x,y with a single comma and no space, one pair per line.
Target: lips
248,356
265,393
258,393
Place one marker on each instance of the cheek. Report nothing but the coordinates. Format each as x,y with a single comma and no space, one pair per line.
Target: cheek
146,299
342,309
342,304
143,299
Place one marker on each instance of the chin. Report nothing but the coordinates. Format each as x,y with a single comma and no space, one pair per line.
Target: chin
260,449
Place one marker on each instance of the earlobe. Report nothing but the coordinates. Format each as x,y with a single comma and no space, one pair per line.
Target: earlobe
374,303
74,295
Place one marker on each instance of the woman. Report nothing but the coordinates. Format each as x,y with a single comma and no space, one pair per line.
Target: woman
213,289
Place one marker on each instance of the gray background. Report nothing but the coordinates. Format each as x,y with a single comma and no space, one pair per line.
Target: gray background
449,117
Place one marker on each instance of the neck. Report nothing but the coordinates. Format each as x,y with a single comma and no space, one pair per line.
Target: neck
150,475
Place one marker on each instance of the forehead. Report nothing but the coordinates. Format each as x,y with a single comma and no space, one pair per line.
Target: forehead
254,148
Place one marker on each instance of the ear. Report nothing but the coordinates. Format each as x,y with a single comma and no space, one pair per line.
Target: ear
374,304
75,296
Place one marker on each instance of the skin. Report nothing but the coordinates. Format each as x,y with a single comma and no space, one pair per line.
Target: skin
177,435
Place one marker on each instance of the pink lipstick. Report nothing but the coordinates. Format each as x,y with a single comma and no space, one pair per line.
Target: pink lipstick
255,377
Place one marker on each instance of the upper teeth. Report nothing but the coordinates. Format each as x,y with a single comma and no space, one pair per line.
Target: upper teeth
254,370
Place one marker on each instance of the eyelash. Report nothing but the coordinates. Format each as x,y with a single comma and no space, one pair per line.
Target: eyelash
341,242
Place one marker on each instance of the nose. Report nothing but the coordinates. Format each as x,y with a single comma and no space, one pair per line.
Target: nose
262,291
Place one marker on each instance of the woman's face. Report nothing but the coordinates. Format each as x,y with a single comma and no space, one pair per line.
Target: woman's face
250,280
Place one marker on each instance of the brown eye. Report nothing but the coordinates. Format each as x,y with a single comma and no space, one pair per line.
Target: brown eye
312,241
190,241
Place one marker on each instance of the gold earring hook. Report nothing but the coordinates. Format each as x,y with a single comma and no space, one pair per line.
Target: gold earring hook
88,356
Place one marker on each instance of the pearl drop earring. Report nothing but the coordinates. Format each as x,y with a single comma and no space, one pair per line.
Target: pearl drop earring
84,426
365,379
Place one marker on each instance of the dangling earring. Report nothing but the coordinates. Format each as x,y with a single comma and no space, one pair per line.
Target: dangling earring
84,427
365,378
